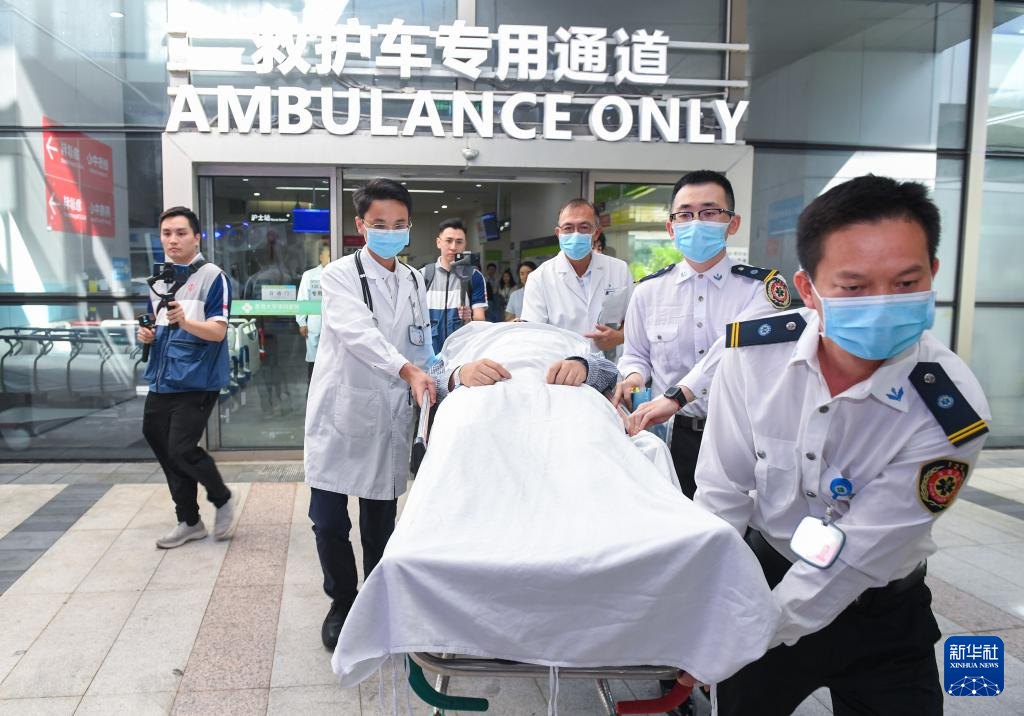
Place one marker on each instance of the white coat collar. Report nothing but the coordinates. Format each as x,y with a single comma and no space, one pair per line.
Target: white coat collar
717,274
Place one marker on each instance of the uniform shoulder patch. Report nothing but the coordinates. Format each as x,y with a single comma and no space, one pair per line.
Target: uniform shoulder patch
659,272
939,481
762,331
775,287
955,416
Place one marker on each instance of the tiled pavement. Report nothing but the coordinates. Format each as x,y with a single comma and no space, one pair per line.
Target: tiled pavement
95,620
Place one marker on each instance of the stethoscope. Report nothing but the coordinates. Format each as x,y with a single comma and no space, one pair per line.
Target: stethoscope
417,335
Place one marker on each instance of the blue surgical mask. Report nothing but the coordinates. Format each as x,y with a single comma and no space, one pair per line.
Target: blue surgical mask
877,327
576,246
700,240
386,243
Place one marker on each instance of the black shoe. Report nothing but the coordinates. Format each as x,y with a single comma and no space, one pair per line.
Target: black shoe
333,623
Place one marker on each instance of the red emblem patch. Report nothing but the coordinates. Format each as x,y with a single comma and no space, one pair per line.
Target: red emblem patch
778,292
939,482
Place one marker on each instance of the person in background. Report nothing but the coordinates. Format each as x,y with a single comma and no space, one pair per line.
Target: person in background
579,290
309,290
445,291
514,307
506,285
188,365
495,302
599,244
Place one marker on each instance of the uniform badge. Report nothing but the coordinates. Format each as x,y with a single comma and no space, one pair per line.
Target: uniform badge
778,292
939,482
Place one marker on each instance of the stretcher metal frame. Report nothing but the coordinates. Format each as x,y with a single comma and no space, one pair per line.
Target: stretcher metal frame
446,666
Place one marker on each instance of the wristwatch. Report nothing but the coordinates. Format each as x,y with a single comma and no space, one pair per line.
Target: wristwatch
456,378
676,393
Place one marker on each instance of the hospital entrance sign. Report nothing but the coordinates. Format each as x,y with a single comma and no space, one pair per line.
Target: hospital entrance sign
634,63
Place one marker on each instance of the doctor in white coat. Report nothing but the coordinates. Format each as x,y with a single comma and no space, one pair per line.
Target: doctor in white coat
309,290
580,290
374,344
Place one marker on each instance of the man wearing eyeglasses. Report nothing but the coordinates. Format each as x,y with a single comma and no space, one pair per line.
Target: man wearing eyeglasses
580,290
678,313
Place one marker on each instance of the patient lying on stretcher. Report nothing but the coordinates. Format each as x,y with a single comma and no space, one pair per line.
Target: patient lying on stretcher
537,531
482,354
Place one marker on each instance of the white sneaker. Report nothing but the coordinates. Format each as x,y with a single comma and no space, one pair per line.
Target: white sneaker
181,534
224,522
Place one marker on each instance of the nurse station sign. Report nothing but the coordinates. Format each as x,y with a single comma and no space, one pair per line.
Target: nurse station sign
301,79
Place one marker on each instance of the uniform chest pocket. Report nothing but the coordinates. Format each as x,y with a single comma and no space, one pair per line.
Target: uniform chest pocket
775,474
355,411
659,335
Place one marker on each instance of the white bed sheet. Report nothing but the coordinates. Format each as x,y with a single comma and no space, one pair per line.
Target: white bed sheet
576,552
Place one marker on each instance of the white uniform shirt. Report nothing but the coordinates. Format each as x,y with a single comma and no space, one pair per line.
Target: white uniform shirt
359,413
309,290
555,294
776,438
674,320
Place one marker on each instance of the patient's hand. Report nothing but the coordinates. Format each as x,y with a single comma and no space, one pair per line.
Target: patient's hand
483,372
567,372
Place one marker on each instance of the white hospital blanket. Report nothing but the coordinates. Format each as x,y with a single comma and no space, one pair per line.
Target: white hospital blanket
576,552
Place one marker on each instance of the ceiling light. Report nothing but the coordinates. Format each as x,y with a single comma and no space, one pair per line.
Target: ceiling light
426,191
302,188
479,185
116,14
435,211
255,193
245,179
404,183
444,206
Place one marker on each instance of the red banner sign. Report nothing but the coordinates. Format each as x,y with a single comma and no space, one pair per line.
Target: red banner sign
79,183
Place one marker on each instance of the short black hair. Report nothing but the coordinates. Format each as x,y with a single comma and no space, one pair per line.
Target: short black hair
705,176
600,241
864,200
324,247
581,201
380,190
494,265
453,223
193,220
529,264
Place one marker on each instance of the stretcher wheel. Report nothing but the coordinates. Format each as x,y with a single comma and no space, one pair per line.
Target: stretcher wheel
426,692
669,701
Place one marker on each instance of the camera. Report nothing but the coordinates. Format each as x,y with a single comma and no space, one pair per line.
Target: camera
463,265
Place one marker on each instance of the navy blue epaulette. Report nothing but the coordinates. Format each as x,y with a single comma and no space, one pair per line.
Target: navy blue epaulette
762,331
659,272
954,414
754,272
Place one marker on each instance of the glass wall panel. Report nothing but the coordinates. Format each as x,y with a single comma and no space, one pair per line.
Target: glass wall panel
996,359
71,382
841,71
77,63
1006,78
633,218
267,233
999,258
78,212
785,181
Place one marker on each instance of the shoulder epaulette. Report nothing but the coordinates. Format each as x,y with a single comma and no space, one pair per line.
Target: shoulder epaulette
775,286
762,331
659,272
954,414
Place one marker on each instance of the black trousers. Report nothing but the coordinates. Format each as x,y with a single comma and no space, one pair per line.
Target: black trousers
331,525
684,448
877,657
172,424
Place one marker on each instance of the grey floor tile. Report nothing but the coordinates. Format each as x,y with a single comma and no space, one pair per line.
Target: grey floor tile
12,560
37,478
29,539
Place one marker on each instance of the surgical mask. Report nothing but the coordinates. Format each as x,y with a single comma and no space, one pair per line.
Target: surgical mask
386,243
877,327
700,240
576,246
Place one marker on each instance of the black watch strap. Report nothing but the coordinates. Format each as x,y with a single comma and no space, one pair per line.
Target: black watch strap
676,394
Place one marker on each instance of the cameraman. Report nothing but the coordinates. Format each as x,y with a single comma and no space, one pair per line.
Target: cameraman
452,301
187,367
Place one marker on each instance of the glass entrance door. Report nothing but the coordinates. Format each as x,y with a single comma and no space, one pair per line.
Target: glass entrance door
270,236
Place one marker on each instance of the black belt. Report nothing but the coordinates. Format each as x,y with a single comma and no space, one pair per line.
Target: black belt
694,424
775,566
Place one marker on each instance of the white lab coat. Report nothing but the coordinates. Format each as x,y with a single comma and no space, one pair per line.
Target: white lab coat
359,415
553,294
309,290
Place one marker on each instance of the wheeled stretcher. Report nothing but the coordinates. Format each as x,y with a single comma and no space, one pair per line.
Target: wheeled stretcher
548,543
